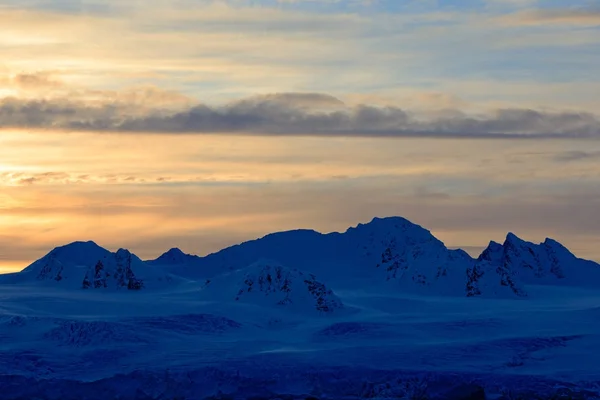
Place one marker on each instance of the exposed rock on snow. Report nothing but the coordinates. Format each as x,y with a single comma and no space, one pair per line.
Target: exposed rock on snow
51,269
89,266
388,253
65,263
89,333
270,283
189,323
117,273
487,275
517,261
411,256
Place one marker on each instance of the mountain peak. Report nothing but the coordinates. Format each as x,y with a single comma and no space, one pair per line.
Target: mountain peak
174,251
122,252
492,251
80,253
395,220
512,238
494,245
77,246
175,256
388,224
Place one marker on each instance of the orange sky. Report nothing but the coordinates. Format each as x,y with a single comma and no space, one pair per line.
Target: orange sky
149,192
141,125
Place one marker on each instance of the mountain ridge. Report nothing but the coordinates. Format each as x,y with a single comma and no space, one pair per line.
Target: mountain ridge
391,252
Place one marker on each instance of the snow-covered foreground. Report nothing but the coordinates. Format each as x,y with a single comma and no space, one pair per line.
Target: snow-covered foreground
268,330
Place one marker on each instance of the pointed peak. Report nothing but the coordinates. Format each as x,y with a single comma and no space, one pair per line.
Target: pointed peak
175,256
490,251
494,246
512,238
175,251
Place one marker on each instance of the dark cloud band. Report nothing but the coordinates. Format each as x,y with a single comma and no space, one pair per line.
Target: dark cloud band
295,114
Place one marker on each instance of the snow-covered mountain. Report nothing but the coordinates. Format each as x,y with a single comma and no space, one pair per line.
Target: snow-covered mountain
268,283
389,253
486,276
175,257
236,327
65,265
409,256
86,265
520,262
386,253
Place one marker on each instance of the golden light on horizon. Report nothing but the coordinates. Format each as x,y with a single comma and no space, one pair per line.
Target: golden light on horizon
208,191
140,125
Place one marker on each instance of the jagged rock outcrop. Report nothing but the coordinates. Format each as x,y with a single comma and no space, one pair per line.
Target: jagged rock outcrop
86,265
488,273
518,262
117,273
98,279
384,254
411,256
51,269
271,284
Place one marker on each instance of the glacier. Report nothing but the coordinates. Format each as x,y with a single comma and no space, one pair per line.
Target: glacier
383,310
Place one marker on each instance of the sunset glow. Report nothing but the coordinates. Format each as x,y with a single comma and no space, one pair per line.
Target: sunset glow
149,126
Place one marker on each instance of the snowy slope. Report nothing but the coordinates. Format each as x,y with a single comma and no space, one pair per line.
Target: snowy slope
295,249
343,259
374,324
410,257
64,265
548,263
85,265
270,284
66,344
387,253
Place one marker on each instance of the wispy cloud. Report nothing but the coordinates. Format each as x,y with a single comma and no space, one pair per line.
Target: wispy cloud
227,50
576,155
562,16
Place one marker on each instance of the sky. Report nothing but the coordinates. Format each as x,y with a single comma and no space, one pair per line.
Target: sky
199,124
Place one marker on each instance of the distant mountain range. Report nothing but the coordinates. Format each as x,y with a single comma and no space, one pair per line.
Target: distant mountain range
390,253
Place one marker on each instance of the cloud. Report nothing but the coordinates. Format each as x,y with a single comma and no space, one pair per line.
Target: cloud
35,80
230,49
576,155
564,16
293,114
